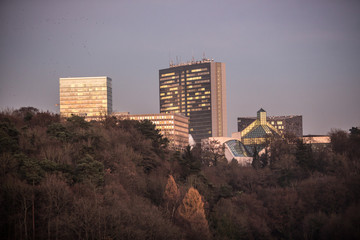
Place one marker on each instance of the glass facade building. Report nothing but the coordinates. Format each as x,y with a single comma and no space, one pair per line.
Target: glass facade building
198,90
284,124
89,97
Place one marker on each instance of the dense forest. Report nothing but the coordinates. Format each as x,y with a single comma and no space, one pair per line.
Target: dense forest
117,179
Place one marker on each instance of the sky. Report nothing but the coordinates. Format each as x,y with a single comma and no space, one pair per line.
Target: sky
289,57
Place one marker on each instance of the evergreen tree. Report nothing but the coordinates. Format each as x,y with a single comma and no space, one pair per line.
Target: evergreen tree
256,160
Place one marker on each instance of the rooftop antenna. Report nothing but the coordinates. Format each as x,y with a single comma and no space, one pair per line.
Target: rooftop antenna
204,55
169,59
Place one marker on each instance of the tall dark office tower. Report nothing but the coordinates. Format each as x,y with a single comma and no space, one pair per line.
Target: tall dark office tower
196,89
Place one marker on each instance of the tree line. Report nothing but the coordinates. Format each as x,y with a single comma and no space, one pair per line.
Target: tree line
117,179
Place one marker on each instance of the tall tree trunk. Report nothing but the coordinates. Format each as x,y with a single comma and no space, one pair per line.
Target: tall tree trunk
25,218
49,229
57,227
33,211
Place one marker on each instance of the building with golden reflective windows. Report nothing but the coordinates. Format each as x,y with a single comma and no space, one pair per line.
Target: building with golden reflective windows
196,89
173,126
284,124
89,97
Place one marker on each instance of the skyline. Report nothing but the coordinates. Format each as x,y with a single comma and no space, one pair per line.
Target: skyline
289,58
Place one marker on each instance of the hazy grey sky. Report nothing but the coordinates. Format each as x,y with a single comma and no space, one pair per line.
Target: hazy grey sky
289,57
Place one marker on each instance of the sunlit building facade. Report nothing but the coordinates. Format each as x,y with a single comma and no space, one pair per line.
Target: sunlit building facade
257,132
196,89
173,126
89,97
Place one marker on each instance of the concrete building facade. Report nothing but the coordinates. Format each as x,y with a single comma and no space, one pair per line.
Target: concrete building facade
173,126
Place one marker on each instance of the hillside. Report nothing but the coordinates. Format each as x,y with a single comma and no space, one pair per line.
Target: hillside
118,180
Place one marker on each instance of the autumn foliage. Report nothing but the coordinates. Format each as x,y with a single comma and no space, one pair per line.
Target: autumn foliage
117,179
192,212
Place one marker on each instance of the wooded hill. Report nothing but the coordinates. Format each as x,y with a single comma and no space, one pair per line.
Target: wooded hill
118,180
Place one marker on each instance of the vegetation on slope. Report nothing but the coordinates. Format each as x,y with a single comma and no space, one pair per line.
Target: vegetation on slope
117,180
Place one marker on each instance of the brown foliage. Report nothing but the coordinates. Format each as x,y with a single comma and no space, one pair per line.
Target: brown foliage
171,196
192,212
172,192
49,173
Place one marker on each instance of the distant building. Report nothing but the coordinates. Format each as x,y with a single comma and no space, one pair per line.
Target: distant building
89,97
316,139
254,135
284,124
317,142
173,126
196,89
233,149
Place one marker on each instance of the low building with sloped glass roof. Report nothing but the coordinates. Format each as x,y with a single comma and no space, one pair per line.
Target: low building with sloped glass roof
233,149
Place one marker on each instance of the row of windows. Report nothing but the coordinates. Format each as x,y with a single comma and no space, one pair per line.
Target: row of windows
82,114
195,90
82,98
202,81
169,82
167,86
278,123
83,85
75,94
203,73
80,89
193,78
198,97
200,93
171,108
199,70
176,133
151,117
167,74
80,108
193,86
166,97
169,78
193,101
73,103
189,76
89,83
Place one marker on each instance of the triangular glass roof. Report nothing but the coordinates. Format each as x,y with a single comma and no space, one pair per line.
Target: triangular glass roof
260,131
257,132
237,148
